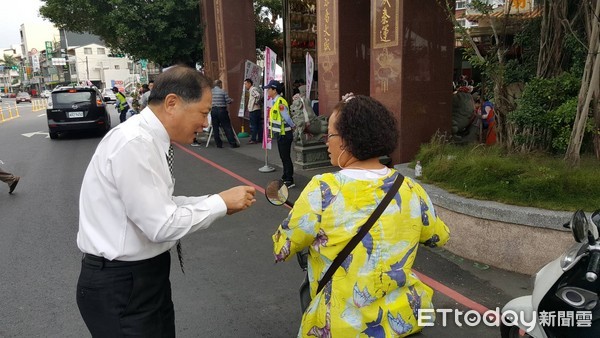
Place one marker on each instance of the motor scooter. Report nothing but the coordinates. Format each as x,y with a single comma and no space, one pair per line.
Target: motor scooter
277,194
564,301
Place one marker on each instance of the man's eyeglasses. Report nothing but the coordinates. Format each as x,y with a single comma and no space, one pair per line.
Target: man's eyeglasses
331,135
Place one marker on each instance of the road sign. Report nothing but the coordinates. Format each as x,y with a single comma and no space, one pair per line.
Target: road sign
143,63
59,61
48,49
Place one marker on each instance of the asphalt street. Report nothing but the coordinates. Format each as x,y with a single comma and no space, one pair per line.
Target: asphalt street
231,287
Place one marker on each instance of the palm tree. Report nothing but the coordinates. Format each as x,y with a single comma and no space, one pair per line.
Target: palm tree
8,62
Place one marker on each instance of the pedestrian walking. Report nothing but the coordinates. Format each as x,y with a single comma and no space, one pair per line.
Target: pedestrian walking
129,218
255,112
220,115
122,105
9,179
146,94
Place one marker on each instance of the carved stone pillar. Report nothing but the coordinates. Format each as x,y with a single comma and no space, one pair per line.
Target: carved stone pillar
342,50
412,45
229,40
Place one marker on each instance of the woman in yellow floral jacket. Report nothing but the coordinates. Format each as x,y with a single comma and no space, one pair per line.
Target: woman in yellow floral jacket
374,292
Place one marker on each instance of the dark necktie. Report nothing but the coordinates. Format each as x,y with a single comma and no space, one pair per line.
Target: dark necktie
170,162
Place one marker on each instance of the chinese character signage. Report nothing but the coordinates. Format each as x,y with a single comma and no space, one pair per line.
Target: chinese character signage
385,23
327,27
49,49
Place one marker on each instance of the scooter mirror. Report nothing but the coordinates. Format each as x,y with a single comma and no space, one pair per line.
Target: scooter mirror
596,218
277,192
579,226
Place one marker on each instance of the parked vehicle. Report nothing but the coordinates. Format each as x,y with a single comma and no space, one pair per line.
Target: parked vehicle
77,108
23,97
108,95
564,301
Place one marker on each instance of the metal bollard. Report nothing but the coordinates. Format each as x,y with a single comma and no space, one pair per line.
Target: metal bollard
17,110
1,115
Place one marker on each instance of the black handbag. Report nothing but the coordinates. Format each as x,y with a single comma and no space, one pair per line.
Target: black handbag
302,256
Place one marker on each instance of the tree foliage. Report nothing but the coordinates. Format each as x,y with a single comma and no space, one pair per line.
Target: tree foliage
8,61
542,114
163,31
266,13
589,92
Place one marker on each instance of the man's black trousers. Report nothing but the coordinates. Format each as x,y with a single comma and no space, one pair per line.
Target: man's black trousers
119,299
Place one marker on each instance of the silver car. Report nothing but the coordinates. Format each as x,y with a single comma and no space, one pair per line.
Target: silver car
108,95
45,94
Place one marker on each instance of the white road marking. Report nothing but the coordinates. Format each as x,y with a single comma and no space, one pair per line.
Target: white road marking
36,133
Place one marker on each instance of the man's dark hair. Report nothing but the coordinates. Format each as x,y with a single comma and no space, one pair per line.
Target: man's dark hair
367,127
249,81
182,81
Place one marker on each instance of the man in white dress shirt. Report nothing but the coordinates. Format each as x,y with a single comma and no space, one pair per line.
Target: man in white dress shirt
129,218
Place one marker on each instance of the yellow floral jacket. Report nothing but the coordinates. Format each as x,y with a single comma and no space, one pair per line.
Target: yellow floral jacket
373,293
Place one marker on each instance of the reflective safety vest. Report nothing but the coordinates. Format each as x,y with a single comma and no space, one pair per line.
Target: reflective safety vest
275,118
123,105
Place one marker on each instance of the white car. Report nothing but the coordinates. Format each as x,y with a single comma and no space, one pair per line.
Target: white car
108,95
45,94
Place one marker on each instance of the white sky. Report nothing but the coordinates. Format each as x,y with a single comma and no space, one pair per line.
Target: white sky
13,13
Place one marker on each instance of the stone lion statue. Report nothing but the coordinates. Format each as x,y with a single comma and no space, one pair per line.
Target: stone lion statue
464,123
310,128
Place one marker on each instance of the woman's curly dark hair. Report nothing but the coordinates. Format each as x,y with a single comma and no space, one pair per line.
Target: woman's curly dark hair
367,127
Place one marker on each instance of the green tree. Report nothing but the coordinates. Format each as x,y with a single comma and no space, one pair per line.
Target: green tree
8,61
493,63
164,31
266,13
589,92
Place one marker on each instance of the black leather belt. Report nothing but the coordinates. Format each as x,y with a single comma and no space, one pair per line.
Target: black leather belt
101,262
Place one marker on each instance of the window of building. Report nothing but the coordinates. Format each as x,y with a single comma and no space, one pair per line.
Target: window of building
462,22
87,51
101,51
461,4
117,67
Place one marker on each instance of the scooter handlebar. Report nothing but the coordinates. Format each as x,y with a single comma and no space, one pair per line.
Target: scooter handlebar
593,267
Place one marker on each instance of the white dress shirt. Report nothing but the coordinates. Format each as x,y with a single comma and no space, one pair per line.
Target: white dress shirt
126,208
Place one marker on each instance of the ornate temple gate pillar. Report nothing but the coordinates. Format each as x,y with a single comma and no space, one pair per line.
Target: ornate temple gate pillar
229,40
412,47
399,52
343,49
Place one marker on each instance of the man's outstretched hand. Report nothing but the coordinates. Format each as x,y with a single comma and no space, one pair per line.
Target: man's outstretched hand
238,198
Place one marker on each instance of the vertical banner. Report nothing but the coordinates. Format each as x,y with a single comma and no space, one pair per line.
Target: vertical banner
310,69
270,65
35,63
254,73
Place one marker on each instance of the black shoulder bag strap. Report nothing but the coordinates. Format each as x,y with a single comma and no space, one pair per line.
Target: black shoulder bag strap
361,233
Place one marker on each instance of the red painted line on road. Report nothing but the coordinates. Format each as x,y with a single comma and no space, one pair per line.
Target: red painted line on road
439,287
455,295
218,166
